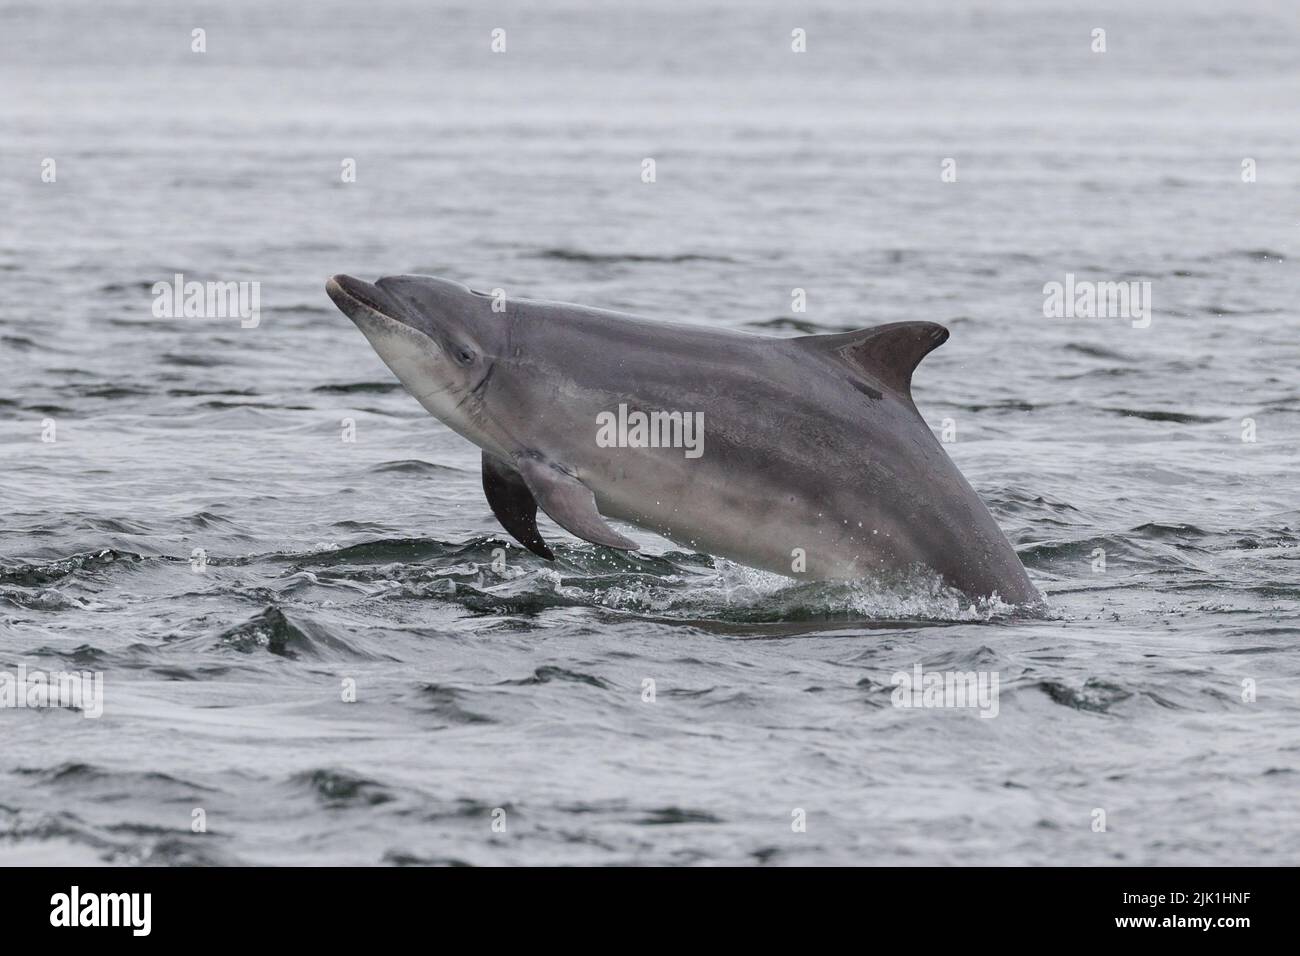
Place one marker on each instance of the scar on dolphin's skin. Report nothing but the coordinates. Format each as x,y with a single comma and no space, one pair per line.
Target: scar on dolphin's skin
794,453
866,389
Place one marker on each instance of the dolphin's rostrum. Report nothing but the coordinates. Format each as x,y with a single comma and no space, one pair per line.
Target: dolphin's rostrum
816,463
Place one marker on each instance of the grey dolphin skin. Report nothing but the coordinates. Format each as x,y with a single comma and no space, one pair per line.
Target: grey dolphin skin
803,456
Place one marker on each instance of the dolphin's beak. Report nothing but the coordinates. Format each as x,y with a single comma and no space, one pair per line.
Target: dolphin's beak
358,299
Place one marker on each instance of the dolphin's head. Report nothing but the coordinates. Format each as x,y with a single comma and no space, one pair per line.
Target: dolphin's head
440,338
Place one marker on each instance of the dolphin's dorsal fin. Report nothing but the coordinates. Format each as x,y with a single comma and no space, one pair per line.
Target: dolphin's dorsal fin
887,354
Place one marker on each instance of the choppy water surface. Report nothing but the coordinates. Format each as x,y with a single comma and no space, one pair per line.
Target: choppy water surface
370,561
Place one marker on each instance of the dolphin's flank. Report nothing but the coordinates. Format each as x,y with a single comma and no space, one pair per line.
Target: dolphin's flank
803,456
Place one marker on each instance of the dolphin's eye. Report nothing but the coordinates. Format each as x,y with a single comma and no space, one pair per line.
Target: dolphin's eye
463,354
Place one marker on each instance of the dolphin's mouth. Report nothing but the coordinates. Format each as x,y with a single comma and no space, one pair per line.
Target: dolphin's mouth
358,299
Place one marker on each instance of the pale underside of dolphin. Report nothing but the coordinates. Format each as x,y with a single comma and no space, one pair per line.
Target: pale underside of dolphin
814,461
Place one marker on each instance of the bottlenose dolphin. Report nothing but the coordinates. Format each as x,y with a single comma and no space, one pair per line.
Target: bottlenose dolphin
813,462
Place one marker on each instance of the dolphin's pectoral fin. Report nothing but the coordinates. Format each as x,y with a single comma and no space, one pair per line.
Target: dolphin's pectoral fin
513,504
888,353
570,504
